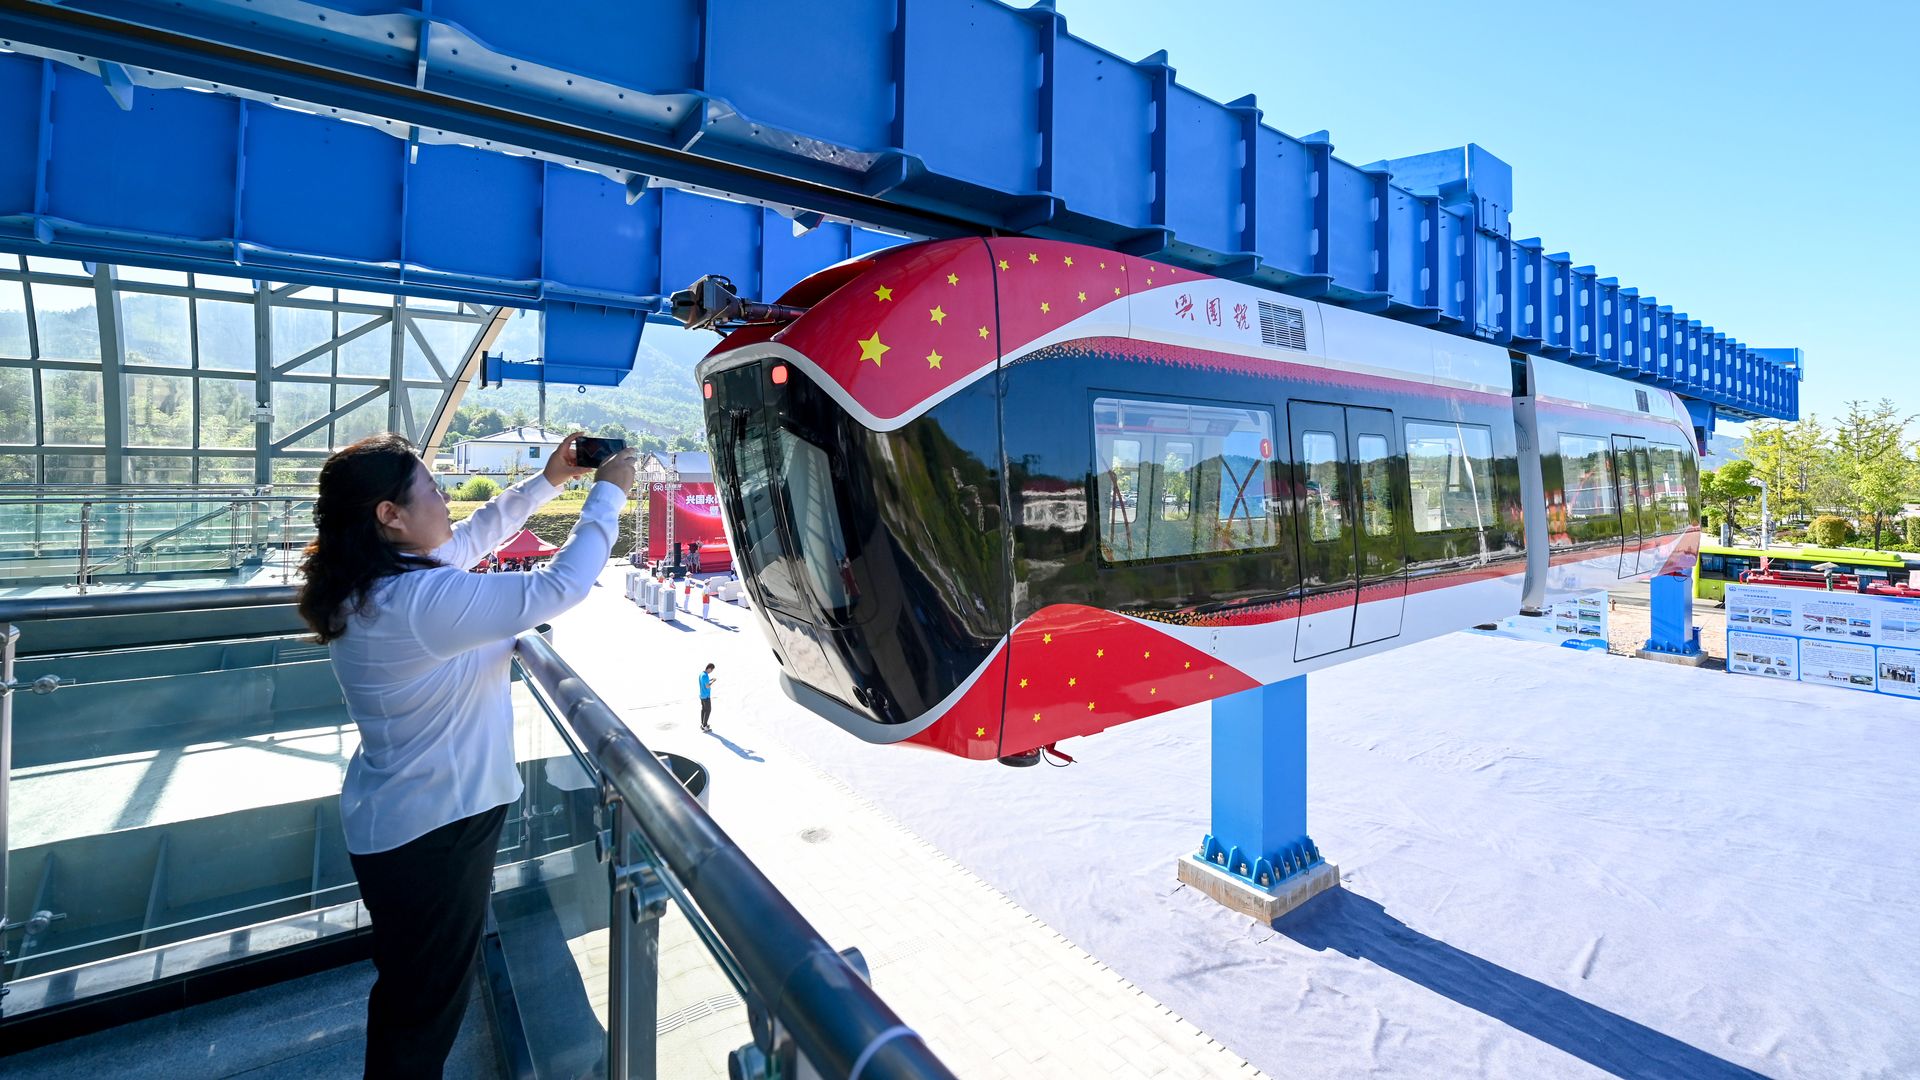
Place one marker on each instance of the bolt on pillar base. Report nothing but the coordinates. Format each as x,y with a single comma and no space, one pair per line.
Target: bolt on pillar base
1241,895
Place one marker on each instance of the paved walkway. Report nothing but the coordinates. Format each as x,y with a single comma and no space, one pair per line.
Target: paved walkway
995,991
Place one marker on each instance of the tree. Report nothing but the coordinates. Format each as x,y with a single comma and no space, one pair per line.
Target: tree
1791,458
1727,487
1870,450
485,422
1880,487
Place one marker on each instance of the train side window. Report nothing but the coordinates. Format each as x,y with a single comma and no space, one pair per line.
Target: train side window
1451,469
1376,484
1180,479
1587,477
1320,464
1713,566
1669,483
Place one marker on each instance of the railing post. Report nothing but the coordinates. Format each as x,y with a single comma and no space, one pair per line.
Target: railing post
86,519
637,899
286,530
9,638
128,550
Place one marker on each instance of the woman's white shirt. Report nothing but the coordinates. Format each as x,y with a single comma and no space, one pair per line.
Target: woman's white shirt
426,672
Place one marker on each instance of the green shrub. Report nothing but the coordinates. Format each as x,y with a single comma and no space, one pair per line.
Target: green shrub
1910,531
1829,530
479,489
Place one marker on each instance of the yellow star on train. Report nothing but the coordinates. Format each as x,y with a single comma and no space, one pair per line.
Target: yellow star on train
872,349
938,315
1036,718
1032,258
1068,260
1073,681
884,292
933,360
979,733
983,332
1023,684
1083,298
1046,639
1089,706
1003,264
953,279
1045,307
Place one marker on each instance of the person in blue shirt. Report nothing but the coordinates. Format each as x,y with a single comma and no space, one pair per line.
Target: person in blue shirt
706,697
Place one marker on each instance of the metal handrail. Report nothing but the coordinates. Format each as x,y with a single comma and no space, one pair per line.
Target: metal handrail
32,490
41,608
167,499
835,1018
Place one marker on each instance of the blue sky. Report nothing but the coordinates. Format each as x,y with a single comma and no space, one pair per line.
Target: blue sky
1750,163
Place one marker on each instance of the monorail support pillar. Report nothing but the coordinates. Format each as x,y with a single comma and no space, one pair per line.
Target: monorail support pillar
1672,635
1259,860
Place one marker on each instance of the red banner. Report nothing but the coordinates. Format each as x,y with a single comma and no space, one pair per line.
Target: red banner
696,517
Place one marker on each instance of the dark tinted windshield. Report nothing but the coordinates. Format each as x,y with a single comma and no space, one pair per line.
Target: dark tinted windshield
814,514
765,554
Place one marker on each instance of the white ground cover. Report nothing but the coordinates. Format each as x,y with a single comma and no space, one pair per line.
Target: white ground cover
1553,864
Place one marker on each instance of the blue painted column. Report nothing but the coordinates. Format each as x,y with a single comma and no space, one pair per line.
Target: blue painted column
1672,629
1260,784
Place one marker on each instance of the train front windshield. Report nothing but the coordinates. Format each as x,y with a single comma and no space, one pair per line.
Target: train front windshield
792,534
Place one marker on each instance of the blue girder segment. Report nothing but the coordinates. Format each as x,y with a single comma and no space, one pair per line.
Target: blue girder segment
217,184
931,115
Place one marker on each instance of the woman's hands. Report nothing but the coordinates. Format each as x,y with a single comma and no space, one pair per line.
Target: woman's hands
560,467
619,470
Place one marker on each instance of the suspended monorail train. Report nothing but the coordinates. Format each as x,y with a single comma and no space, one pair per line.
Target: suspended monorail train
990,494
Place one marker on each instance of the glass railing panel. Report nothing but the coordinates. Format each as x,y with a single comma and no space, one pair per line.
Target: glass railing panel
685,997
167,793
48,539
700,1012
552,898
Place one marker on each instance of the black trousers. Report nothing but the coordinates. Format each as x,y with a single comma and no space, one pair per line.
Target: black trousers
706,710
428,899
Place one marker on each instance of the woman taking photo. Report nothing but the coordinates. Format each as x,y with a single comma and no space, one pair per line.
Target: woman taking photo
423,651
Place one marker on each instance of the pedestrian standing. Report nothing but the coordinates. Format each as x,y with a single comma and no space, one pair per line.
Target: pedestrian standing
706,698
424,655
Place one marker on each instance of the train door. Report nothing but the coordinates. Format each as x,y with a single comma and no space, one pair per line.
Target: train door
1630,471
1344,478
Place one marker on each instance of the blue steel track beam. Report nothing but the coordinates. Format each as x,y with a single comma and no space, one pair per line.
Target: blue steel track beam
238,187
926,116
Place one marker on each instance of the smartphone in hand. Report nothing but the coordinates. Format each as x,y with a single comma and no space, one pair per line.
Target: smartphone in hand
591,453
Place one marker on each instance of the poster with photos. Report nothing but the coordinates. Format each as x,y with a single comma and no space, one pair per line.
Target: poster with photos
1845,639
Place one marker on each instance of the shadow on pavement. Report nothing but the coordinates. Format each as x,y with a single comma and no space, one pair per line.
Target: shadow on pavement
742,751
1355,926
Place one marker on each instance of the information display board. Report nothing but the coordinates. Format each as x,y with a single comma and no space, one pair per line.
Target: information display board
1582,617
1845,639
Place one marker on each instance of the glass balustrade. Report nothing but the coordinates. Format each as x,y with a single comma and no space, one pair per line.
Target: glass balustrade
47,540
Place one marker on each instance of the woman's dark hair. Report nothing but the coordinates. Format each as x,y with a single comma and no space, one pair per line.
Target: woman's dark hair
349,554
